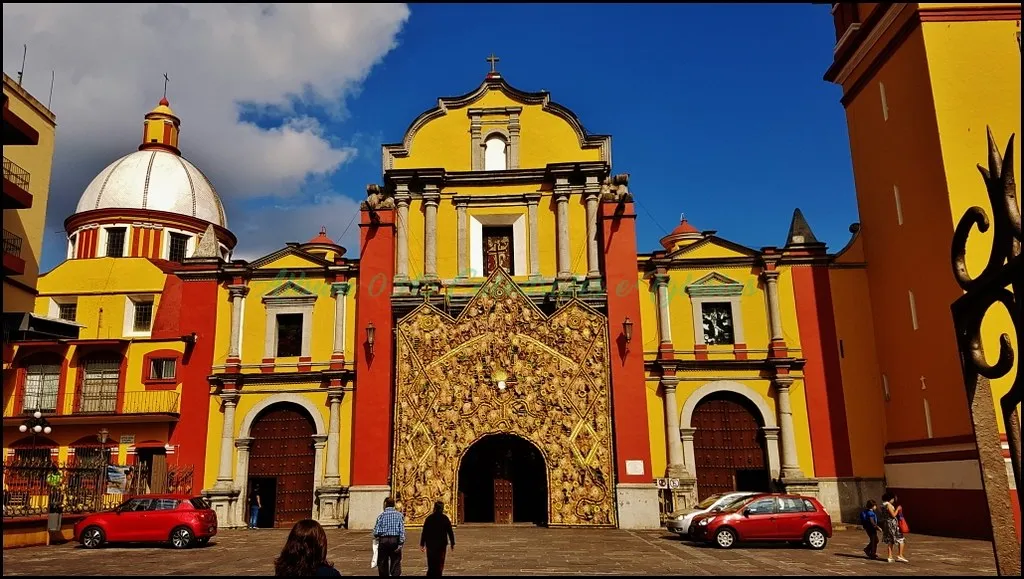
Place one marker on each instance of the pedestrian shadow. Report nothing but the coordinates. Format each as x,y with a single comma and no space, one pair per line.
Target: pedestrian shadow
855,556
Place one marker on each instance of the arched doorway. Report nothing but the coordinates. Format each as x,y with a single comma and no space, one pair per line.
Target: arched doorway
503,480
729,448
281,464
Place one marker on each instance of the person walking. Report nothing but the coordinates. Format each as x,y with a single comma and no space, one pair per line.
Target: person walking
437,534
869,520
892,531
305,553
254,505
390,534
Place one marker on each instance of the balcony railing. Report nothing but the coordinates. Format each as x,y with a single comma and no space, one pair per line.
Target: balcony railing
143,402
12,243
15,174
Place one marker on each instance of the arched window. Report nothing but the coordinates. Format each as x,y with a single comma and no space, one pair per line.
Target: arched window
495,158
101,379
42,382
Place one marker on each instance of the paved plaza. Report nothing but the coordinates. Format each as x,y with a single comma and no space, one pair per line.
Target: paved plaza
517,550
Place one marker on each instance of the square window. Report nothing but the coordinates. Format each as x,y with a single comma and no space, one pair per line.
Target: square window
718,323
162,368
179,245
67,311
143,316
289,335
498,249
115,241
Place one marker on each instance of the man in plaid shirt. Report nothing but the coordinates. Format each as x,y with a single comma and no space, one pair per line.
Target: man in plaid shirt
390,534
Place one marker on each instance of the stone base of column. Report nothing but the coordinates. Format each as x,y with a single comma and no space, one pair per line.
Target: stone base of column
332,504
364,504
800,486
638,506
224,503
844,497
431,284
685,495
594,283
402,285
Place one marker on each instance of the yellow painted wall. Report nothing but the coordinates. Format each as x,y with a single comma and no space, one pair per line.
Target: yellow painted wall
976,81
544,138
37,160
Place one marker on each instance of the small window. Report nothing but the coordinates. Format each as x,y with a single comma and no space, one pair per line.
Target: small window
498,249
762,507
495,158
289,335
718,323
791,505
67,311
115,241
179,245
143,316
162,368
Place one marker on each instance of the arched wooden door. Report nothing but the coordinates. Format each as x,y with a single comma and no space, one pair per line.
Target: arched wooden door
281,461
728,447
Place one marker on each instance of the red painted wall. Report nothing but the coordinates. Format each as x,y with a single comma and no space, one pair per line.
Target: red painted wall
823,379
629,393
372,404
189,434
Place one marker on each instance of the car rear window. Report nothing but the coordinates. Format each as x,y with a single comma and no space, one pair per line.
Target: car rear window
809,506
200,503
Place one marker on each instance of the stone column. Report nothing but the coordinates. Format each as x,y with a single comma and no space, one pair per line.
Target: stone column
531,208
790,464
242,477
236,292
562,217
339,291
430,201
319,444
461,207
676,458
664,324
771,438
227,439
771,278
591,191
402,233
690,456
333,476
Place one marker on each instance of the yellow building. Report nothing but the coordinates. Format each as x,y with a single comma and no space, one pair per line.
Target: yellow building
920,84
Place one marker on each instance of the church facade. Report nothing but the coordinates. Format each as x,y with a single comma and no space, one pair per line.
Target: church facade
500,343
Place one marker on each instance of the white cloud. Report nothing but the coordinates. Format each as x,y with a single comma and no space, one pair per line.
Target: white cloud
109,61
290,222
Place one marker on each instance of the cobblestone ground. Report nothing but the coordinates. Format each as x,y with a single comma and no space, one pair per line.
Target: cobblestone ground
489,550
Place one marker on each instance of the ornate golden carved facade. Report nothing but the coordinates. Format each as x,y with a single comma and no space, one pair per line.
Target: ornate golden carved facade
504,367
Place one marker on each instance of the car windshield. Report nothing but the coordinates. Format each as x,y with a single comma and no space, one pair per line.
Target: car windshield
706,503
734,504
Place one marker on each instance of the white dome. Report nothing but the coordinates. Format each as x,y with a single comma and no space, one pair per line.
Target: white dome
158,180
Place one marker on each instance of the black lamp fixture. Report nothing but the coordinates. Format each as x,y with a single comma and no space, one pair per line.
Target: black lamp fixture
627,331
103,436
35,424
190,339
371,332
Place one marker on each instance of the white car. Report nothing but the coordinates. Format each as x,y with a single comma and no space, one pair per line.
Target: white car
679,522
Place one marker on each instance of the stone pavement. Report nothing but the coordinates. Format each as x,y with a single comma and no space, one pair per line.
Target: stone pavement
517,550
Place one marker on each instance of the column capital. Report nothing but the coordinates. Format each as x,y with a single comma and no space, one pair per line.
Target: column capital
431,198
783,382
771,432
340,287
669,382
238,291
243,443
661,279
229,397
532,198
335,395
770,275
687,433
319,440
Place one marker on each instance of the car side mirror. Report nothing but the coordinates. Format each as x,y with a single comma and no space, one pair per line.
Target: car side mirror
746,512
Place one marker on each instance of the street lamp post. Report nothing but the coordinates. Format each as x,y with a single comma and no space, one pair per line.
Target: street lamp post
103,436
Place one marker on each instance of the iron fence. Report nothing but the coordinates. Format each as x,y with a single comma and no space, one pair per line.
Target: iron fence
12,244
15,174
36,485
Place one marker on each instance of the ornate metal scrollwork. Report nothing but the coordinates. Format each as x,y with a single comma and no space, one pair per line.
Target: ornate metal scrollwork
1002,282
504,367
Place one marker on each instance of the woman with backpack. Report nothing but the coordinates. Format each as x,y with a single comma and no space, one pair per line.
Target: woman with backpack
893,527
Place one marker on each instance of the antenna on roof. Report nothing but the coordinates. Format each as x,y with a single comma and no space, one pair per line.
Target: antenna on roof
53,75
21,73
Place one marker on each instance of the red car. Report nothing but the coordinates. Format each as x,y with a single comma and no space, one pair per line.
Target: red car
179,519
774,517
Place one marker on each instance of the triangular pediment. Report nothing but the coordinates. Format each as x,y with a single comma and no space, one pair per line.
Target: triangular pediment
289,289
713,247
289,258
715,284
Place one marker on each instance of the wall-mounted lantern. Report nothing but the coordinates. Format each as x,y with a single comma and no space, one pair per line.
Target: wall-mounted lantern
627,331
371,332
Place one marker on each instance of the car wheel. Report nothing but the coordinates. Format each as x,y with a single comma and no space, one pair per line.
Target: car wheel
92,537
181,538
816,539
725,538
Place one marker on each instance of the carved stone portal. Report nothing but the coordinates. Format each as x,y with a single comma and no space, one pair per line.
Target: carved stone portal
504,367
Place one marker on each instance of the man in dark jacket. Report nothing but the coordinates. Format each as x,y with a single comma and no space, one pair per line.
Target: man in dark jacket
437,533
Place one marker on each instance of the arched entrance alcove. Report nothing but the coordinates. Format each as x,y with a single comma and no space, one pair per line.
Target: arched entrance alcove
281,464
729,447
503,480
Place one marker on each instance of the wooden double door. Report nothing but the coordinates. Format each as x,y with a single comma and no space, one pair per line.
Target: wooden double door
282,457
729,448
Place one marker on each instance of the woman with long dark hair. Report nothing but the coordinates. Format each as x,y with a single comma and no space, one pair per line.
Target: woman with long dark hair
305,553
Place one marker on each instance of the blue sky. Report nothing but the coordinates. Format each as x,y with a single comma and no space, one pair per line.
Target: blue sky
718,111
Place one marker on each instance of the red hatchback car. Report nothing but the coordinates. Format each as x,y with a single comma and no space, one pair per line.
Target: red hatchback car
179,519
766,517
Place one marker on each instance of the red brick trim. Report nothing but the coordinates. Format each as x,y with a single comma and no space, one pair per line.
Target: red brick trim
700,351
740,351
